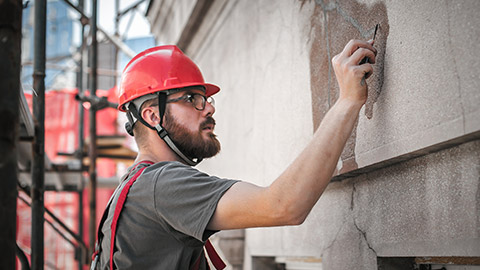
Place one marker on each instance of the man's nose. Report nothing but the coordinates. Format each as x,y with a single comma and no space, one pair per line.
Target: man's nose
209,109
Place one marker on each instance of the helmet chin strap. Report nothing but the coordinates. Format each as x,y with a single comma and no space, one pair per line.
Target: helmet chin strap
166,138
133,115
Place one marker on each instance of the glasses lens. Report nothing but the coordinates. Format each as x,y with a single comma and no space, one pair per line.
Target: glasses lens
199,101
211,101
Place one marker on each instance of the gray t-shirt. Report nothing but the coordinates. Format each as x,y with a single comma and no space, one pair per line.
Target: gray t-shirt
164,219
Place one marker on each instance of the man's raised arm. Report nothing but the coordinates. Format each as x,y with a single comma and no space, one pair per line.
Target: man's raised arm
289,199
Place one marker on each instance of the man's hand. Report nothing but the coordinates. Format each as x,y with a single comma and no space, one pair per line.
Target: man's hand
350,75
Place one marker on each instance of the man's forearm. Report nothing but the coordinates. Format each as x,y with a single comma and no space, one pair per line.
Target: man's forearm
303,182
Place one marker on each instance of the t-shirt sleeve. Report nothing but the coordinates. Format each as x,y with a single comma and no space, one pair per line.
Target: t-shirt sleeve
187,198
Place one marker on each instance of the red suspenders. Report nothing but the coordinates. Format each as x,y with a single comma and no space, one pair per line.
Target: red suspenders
212,254
118,209
214,257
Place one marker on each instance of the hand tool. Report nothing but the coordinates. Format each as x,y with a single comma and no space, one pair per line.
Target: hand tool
365,59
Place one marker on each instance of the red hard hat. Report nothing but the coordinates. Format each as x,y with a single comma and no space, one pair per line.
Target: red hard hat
158,69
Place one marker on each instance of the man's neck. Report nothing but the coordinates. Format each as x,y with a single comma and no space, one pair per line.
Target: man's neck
156,150
157,156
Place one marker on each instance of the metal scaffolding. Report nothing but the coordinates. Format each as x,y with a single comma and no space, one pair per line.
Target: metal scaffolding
81,253
10,29
92,151
38,166
10,47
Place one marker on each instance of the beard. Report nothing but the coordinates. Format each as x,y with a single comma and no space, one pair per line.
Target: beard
192,144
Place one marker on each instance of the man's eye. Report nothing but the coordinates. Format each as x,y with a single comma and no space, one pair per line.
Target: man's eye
189,98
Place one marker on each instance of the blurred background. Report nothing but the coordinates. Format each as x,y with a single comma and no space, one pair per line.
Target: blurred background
406,192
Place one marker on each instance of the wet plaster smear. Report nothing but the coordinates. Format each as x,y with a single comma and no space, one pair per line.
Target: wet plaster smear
332,25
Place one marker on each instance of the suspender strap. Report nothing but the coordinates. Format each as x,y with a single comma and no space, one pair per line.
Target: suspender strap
214,258
118,209
98,247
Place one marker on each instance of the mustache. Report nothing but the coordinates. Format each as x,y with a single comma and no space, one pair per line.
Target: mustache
208,121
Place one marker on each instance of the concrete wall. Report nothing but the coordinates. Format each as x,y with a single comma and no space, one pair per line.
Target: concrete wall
408,181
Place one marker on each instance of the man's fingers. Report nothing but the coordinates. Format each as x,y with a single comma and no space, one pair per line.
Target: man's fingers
354,44
358,56
352,64
365,70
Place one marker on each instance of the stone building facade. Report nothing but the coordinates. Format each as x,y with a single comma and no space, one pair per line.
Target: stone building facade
406,194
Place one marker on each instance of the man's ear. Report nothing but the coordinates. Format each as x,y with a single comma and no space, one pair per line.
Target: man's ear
150,115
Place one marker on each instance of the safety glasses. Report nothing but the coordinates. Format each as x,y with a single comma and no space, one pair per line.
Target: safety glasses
198,101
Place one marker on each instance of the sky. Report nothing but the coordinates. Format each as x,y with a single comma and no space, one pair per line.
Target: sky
139,26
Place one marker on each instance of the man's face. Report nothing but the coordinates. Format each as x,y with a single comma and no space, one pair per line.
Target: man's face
191,129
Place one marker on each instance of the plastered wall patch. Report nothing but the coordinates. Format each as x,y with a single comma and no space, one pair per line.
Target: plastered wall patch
332,25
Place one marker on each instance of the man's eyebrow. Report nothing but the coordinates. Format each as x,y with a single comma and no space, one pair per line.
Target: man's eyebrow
190,92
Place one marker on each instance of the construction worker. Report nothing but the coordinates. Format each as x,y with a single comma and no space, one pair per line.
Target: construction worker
172,208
